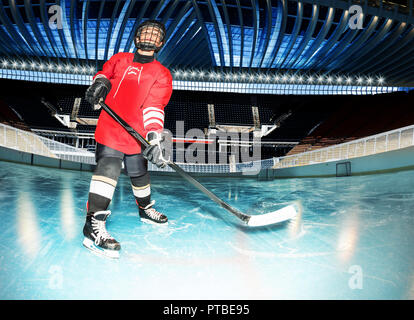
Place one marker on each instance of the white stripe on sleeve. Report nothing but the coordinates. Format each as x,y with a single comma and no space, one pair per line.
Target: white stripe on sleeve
153,114
147,123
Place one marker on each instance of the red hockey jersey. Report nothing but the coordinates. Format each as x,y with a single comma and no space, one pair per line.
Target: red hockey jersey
138,95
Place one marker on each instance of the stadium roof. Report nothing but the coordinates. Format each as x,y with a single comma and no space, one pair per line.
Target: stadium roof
294,39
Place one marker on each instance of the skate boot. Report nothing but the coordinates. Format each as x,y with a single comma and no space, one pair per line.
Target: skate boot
152,216
97,239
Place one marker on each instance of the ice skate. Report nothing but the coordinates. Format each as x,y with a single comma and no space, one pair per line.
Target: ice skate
151,216
97,239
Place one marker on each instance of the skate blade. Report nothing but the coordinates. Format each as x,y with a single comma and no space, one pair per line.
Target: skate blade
148,221
89,244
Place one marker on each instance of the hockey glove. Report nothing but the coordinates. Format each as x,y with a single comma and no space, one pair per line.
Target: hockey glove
98,91
154,152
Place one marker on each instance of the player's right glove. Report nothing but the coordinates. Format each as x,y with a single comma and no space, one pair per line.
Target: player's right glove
98,90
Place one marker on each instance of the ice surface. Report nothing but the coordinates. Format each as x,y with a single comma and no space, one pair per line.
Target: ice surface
352,240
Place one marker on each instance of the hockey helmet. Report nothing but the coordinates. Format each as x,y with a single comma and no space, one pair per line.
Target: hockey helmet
155,29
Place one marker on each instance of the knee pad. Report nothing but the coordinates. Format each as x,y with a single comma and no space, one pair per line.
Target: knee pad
141,181
135,165
109,167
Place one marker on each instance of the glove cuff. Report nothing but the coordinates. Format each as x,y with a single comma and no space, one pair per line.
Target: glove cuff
105,82
153,135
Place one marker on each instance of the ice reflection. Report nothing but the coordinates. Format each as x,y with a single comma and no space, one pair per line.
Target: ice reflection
28,231
348,235
67,212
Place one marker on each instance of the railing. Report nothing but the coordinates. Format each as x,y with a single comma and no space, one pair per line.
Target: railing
82,140
387,141
392,140
25,141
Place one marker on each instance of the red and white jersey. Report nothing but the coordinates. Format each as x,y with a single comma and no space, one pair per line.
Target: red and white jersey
138,95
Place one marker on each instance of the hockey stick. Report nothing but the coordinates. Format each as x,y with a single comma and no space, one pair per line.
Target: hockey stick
266,219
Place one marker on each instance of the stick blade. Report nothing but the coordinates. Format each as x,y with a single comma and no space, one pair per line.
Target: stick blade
277,216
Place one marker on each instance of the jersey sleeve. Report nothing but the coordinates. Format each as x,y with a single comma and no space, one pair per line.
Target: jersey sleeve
154,104
108,68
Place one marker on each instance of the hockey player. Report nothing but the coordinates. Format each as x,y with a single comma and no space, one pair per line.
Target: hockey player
137,88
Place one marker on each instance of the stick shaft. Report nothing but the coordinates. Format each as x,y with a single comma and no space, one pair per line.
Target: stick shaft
245,218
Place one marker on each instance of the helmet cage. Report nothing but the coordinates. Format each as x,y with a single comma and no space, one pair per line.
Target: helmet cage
146,45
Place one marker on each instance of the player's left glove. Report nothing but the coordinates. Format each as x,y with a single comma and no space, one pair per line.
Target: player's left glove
155,151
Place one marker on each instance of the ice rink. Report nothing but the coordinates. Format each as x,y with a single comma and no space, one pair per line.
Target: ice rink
353,239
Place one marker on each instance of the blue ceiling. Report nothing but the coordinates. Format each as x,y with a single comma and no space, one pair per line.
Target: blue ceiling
296,36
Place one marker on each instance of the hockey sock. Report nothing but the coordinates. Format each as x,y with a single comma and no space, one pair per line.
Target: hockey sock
142,189
103,184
